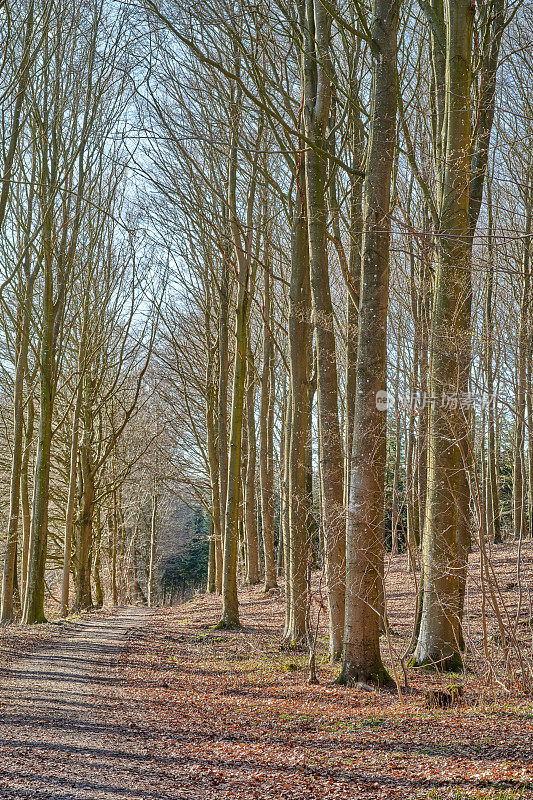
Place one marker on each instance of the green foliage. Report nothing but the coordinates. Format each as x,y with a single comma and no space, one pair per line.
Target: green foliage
186,571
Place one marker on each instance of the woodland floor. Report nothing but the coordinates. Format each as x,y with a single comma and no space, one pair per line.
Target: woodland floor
156,705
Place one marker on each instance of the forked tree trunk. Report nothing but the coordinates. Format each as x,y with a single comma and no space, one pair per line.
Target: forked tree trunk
243,253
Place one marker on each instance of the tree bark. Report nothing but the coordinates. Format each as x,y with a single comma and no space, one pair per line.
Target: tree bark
7,611
243,254
153,543
25,493
361,659
443,550
519,464
34,599
266,423
492,489
250,527
317,100
297,546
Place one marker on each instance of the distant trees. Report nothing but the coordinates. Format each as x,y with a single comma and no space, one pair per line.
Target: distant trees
74,299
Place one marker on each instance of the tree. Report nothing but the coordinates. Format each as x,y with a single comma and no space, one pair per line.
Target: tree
361,659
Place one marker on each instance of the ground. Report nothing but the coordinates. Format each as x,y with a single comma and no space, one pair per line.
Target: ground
156,705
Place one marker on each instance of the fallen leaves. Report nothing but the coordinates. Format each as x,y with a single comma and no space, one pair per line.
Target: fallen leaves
248,725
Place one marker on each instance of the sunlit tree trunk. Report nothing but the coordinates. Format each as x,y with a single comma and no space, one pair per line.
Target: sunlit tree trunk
443,553
361,658
352,298
242,241
297,546
34,599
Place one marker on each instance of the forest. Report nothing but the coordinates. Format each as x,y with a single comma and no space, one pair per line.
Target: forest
266,335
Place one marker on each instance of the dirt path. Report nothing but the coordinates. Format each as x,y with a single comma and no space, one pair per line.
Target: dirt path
63,732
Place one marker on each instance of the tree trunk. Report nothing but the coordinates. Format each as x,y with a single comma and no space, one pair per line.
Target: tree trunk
25,494
352,299
395,516
98,588
243,255
83,599
252,564
215,477
266,422
34,599
222,420
493,495
153,544
519,471
211,564
7,611
114,549
284,485
73,475
317,91
443,553
297,546
366,524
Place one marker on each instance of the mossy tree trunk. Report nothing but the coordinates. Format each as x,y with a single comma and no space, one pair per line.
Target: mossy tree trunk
440,638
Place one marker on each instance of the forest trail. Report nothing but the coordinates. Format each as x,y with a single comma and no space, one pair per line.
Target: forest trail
158,705
60,734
